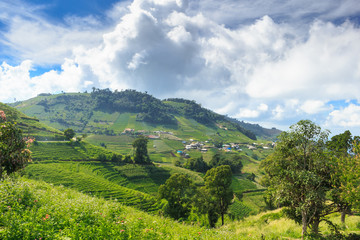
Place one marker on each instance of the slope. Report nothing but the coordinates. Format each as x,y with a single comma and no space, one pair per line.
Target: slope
109,113
30,126
37,210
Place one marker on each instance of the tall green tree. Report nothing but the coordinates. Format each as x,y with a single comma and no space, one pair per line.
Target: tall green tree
141,155
219,192
178,190
346,180
13,147
298,174
341,149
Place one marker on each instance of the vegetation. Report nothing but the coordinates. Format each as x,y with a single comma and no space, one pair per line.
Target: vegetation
218,193
69,133
178,190
313,180
30,127
298,175
141,153
13,152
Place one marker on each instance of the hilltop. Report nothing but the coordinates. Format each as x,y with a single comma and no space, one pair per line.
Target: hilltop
110,113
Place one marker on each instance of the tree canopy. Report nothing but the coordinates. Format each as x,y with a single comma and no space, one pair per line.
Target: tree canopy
141,155
178,191
298,174
219,193
13,147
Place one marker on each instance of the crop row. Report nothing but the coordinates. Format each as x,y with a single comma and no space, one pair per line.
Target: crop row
72,175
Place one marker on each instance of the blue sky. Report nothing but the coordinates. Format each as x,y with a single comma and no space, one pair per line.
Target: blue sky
267,62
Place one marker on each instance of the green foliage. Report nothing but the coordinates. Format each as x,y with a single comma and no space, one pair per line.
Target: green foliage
67,151
141,153
196,164
13,153
97,179
344,166
298,173
178,191
36,210
69,133
31,127
220,159
219,193
238,210
149,108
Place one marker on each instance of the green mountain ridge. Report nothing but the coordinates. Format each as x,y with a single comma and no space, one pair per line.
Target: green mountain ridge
106,112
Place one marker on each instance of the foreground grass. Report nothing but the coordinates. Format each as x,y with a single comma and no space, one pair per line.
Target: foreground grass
36,210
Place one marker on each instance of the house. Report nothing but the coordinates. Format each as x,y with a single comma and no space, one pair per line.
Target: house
129,130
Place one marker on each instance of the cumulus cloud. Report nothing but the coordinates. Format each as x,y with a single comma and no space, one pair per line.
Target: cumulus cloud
259,68
345,117
30,35
312,107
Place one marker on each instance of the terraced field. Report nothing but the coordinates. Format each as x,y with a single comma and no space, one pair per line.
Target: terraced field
66,151
91,179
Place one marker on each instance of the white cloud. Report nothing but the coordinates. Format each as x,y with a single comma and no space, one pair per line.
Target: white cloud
252,113
324,66
30,35
256,68
313,107
346,117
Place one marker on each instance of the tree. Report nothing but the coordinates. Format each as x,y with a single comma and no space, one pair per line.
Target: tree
178,191
234,161
217,186
140,149
298,174
341,146
346,178
196,164
13,147
69,133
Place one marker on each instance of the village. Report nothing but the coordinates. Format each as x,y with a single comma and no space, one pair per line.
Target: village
193,144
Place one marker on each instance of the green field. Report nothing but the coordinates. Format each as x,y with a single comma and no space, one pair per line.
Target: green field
66,151
93,179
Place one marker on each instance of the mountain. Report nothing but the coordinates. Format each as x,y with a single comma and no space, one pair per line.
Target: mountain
29,125
265,133
109,113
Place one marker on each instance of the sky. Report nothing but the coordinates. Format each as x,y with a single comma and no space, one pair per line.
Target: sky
271,62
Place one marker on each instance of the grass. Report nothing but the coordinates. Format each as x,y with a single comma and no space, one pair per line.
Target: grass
91,179
37,210
30,126
66,151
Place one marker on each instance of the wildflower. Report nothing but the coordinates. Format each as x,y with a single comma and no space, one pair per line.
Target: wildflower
199,233
122,230
35,200
19,199
2,115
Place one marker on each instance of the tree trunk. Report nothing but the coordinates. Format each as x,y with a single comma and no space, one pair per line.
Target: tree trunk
222,219
315,226
343,214
304,224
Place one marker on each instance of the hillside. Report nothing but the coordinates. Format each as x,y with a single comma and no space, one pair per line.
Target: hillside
109,113
30,126
37,210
